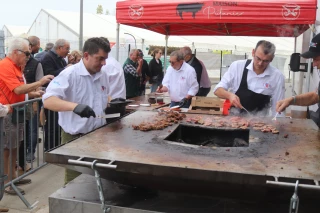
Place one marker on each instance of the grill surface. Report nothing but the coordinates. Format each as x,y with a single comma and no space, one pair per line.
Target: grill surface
145,159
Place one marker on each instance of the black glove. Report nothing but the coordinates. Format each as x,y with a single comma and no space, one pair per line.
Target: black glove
116,108
118,99
183,102
84,111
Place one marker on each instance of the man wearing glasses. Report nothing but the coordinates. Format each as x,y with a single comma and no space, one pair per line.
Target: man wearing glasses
180,81
253,85
308,98
201,71
13,90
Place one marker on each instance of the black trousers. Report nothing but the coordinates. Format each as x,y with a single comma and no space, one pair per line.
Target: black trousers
203,92
52,130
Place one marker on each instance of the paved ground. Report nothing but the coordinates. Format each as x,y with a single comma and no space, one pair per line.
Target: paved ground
46,181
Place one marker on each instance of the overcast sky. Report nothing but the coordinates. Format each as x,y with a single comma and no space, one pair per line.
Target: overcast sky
24,12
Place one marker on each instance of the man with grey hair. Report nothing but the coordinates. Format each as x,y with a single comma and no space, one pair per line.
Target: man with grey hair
251,85
180,81
53,62
40,55
132,73
32,72
201,71
13,90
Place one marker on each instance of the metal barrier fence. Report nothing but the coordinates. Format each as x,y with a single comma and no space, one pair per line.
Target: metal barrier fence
3,177
21,141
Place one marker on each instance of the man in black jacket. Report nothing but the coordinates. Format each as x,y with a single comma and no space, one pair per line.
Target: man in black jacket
40,55
32,72
145,74
53,63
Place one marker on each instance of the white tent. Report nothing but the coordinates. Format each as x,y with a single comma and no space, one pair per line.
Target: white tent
11,31
15,31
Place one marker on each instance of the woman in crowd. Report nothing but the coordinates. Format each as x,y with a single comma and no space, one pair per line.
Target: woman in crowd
155,68
76,55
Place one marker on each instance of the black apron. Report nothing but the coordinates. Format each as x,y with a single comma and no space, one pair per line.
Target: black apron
250,100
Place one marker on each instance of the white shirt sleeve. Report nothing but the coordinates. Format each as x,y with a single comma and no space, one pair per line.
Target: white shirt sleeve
226,80
57,87
117,82
278,95
194,86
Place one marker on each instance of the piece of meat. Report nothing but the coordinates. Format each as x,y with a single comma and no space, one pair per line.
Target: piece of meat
207,122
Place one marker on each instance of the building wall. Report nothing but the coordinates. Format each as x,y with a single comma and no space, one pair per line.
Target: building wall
7,37
49,29
2,53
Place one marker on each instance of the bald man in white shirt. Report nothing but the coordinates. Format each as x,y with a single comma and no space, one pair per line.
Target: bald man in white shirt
180,81
254,85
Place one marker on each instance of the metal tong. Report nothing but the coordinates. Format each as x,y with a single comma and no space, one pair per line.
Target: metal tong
275,117
246,111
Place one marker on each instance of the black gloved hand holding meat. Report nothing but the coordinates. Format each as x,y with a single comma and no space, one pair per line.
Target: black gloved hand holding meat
183,102
84,111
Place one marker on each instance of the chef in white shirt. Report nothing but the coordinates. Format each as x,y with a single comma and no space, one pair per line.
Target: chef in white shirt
79,93
115,78
180,81
254,85
117,86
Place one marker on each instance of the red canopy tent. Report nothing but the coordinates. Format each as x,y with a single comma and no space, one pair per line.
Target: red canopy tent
207,17
277,18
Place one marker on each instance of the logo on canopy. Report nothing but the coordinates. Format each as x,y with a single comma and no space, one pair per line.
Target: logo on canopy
290,11
135,11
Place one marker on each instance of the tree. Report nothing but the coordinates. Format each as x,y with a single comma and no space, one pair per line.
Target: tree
99,9
107,12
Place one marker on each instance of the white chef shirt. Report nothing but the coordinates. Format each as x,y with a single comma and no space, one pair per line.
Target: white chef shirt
76,84
270,82
115,78
181,83
205,80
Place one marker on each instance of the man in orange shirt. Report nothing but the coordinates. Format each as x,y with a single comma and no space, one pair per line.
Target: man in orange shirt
13,90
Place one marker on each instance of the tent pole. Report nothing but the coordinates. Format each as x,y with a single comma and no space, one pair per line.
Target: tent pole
165,53
142,45
117,42
81,26
309,62
293,73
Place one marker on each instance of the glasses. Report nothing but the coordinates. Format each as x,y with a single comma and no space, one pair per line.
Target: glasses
27,53
263,61
172,62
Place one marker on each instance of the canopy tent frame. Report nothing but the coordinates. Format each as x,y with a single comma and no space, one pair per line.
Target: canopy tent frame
275,18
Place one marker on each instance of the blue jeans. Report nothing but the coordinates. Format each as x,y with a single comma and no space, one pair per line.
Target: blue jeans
154,87
33,136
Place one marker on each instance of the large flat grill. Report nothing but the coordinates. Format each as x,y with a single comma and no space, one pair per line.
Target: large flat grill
146,159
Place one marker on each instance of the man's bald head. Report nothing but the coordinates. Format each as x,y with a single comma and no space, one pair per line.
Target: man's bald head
34,44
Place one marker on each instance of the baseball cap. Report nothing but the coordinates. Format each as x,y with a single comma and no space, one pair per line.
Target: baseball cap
314,48
140,52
